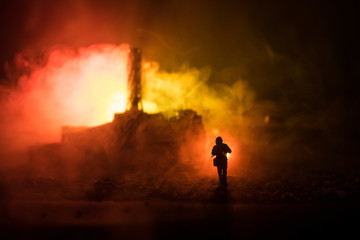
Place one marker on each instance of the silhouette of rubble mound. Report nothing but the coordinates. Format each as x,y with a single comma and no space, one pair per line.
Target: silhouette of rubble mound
133,141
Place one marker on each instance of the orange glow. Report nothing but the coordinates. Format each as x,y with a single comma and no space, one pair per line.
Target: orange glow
78,88
87,86
96,82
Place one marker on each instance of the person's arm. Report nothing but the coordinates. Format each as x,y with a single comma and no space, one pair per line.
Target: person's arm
213,152
228,149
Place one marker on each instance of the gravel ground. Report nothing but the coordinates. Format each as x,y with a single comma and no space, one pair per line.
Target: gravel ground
181,206
183,187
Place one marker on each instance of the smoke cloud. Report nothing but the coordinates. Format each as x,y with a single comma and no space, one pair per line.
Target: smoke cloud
223,107
82,88
85,87
265,90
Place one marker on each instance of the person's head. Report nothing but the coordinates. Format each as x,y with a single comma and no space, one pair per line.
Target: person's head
218,140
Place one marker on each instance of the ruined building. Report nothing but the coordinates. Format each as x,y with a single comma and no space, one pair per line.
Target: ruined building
133,141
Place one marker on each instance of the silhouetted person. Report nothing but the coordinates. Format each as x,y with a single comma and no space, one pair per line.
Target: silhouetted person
220,150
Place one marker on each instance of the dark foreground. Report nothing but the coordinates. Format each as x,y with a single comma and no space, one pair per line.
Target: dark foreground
324,206
179,220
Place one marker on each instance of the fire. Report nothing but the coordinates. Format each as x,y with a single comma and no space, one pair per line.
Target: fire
87,86
78,88
228,155
116,103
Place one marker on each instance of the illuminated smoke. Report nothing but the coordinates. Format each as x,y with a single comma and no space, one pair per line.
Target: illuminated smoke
83,87
221,106
86,87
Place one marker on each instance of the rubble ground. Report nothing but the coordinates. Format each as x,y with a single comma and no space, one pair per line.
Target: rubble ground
183,206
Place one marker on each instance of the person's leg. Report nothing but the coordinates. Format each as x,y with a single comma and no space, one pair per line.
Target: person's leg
224,176
220,175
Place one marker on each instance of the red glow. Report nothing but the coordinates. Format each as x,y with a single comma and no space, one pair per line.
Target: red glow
84,87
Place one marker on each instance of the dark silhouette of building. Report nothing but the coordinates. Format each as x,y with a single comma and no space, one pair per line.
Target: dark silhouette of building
220,161
130,143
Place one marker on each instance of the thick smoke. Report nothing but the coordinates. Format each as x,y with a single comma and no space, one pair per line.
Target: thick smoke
85,87
81,88
290,66
223,107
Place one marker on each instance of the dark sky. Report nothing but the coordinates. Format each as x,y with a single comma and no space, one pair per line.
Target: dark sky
294,50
